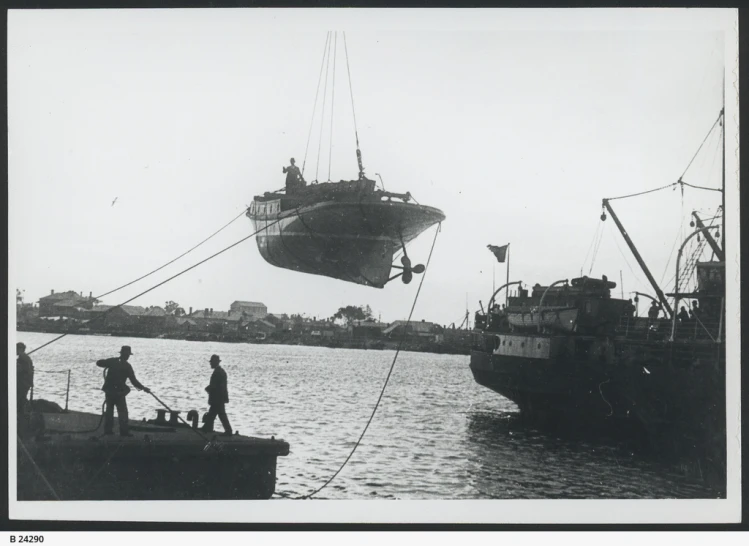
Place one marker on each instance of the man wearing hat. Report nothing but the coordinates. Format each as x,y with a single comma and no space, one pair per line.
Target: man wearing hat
115,389
218,396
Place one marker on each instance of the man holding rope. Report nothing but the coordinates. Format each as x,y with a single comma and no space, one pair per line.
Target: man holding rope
115,389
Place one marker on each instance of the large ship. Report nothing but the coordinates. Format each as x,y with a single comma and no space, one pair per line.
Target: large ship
571,354
348,230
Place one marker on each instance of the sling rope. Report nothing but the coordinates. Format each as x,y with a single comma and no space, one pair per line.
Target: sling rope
351,91
387,379
332,103
592,243
595,250
175,259
314,108
163,282
322,115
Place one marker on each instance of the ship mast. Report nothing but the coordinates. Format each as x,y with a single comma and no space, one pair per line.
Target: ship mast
723,185
640,261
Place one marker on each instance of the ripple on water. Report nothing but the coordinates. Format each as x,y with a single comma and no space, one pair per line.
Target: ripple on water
437,434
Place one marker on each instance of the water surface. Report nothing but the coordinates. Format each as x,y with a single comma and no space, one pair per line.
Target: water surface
436,434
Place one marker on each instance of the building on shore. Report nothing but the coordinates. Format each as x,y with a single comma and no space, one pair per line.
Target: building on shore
253,309
69,302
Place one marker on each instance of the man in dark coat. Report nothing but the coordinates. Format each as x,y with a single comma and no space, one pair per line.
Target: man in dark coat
24,377
115,389
218,397
294,178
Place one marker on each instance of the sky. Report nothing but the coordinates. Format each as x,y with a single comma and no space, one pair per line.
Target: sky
133,135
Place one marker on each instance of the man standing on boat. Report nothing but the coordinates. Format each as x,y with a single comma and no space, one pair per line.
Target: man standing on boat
218,397
654,310
118,371
24,377
294,178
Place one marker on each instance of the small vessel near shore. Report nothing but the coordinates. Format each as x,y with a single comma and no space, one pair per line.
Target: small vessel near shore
572,355
67,458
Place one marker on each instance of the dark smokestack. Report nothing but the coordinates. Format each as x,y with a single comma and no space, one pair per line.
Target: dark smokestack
190,311
52,293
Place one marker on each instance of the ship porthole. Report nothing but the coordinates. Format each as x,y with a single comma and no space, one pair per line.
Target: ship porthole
504,342
539,345
522,344
510,343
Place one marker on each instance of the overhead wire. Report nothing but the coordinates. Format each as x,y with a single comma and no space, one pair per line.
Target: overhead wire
162,282
175,259
700,147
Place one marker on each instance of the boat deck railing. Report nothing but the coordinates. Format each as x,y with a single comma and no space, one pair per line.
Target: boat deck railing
695,329
47,392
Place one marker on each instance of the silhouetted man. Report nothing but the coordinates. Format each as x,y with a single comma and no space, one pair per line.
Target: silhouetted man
654,311
293,177
218,397
116,390
683,315
24,377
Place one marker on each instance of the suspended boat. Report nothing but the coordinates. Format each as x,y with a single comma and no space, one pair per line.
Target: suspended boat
347,230
344,230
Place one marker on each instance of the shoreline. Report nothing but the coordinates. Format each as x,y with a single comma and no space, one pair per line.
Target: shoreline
457,347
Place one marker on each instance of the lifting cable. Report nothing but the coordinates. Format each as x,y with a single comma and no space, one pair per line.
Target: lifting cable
243,239
599,224
322,115
595,250
351,91
332,103
314,108
387,379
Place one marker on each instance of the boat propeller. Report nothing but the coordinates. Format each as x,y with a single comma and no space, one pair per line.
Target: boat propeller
408,271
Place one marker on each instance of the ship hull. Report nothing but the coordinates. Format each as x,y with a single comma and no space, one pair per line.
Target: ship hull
353,242
670,398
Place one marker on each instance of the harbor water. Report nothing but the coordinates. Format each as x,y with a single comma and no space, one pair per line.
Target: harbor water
436,434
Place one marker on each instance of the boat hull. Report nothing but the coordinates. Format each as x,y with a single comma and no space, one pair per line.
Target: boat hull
156,463
353,242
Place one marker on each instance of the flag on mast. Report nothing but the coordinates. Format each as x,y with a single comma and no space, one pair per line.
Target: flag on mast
500,252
